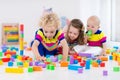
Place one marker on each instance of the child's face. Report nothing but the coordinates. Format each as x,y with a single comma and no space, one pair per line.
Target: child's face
92,25
73,33
49,32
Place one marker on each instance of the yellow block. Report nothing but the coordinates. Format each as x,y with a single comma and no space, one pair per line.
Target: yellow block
14,70
1,62
26,64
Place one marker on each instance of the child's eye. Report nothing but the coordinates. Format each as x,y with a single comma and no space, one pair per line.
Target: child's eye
88,26
46,32
52,32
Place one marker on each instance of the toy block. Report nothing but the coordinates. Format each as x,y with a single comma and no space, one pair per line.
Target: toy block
116,69
10,64
64,64
19,58
14,70
38,63
80,70
1,54
50,67
75,56
104,58
37,68
102,64
110,57
53,58
108,51
118,59
8,56
95,64
82,64
60,56
87,66
31,63
43,65
68,58
53,63
105,73
26,64
74,67
1,62
88,55
20,64
30,69
79,59
10,53
5,59
75,61
71,60
99,61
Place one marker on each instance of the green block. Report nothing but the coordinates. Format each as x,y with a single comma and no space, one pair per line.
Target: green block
68,59
60,56
89,33
22,35
116,69
1,54
30,69
50,67
91,61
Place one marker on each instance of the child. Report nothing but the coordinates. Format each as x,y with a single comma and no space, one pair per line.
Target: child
48,37
95,38
75,34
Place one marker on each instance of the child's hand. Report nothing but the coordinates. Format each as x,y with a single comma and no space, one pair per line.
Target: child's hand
40,58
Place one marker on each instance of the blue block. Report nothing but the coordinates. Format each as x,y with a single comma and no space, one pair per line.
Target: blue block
21,52
87,64
74,67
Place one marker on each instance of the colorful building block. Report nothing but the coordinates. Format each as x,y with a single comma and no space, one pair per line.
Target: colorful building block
64,64
14,70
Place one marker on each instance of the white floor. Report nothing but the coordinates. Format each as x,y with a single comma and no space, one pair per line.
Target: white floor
63,73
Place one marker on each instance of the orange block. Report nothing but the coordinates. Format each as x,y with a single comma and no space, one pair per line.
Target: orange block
64,64
104,58
95,64
37,68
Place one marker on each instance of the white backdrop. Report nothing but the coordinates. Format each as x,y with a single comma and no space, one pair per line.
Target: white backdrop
28,12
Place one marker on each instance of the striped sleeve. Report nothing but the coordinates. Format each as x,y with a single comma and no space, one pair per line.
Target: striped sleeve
102,37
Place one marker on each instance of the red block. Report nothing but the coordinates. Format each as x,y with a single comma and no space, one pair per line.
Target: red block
102,64
21,27
82,64
5,59
10,52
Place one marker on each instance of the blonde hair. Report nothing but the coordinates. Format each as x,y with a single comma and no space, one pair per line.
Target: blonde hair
50,19
95,19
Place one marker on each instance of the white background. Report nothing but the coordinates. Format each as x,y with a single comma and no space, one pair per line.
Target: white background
28,12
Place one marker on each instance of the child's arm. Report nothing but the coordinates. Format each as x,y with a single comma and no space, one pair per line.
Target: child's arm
35,50
65,49
85,39
104,49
